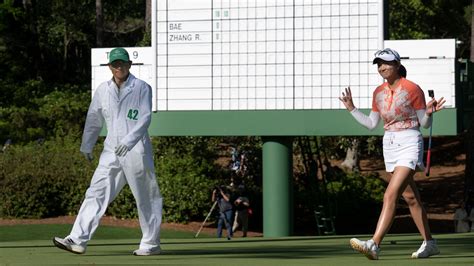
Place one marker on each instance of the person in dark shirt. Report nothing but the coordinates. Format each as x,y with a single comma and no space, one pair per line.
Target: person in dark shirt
222,196
242,205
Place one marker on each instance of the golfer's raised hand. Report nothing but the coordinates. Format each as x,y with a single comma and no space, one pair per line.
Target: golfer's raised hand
346,99
434,105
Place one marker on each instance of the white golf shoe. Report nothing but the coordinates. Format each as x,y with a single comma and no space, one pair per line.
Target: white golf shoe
147,252
69,245
368,248
427,249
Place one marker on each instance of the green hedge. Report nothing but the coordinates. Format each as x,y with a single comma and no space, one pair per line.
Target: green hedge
187,172
48,179
40,180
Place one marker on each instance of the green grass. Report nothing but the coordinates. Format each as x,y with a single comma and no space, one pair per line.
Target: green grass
113,246
48,231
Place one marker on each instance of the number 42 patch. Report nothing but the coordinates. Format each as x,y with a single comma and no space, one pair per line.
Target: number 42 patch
132,114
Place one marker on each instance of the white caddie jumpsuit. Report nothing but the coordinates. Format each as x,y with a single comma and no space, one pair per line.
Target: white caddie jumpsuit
127,116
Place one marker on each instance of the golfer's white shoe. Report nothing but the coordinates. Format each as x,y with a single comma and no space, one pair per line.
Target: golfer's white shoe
69,245
427,249
147,252
368,248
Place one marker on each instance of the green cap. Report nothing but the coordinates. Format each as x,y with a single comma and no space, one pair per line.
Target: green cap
118,54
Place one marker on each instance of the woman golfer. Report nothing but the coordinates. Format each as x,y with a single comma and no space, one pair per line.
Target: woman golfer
401,105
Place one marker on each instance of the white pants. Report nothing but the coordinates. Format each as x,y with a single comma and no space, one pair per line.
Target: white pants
108,180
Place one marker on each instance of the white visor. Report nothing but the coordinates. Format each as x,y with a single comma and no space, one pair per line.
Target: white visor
387,55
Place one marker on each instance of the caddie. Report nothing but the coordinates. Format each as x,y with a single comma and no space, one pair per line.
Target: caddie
124,104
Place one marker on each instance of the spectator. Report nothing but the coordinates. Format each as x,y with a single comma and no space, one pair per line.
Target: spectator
242,205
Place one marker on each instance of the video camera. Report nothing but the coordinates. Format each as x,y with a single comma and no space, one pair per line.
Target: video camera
219,189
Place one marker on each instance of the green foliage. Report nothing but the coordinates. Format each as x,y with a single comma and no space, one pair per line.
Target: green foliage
47,40
187,172
57,114
64,113
22,93
336,147
51,40
355,185
185,188
356,195
48,179
373,146
146,41
40,180
427,19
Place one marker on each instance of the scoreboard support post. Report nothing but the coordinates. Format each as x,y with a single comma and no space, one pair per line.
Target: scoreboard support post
277,186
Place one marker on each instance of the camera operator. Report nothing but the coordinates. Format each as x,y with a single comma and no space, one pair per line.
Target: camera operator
222,196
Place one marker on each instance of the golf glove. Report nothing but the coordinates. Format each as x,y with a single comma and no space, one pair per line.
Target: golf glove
88,156
121,150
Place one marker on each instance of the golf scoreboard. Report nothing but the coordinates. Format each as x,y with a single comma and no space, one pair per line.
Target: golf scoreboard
265,54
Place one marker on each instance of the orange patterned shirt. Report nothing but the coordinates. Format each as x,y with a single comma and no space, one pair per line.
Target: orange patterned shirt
398,106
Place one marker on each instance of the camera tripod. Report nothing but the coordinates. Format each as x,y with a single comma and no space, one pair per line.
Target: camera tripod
207,217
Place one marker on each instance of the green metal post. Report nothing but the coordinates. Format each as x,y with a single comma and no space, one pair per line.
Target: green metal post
277,186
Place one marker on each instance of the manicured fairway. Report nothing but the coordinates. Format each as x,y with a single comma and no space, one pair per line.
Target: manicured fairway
113,246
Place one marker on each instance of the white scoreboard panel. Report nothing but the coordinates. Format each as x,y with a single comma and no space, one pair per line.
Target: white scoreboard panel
265,54
431,64
143,66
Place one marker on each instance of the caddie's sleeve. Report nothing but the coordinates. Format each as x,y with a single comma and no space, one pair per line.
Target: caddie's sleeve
144,120
94,123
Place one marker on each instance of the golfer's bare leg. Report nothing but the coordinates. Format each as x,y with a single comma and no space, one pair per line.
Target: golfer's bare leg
398,182
418,213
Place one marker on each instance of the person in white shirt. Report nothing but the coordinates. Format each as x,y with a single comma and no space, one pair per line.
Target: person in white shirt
124,104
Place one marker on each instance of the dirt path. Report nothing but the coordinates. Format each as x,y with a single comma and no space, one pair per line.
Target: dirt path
131,223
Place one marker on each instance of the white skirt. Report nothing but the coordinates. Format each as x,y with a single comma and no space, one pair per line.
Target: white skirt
403,148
